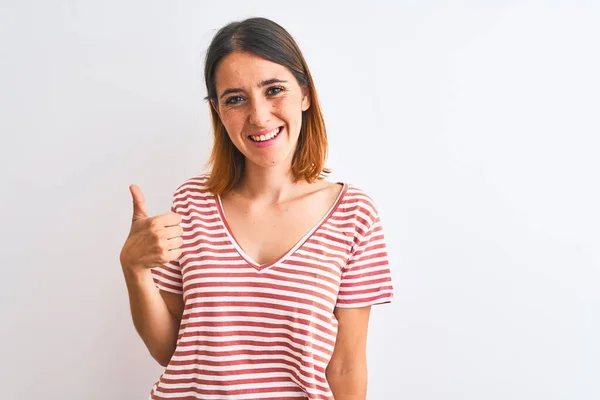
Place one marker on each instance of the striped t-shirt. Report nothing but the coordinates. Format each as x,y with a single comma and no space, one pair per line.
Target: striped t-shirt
268,331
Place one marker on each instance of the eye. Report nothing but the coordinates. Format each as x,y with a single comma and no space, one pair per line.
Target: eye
233,100
275,90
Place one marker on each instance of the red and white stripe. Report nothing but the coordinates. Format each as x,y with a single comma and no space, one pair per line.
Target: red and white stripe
254,331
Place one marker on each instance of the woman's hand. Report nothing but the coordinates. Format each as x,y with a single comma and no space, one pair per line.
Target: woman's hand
152,241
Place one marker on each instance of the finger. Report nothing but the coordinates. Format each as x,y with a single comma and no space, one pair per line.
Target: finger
173,232
175,243
173,254
168,219
139,203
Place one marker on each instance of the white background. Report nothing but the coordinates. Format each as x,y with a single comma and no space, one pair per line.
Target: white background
473,125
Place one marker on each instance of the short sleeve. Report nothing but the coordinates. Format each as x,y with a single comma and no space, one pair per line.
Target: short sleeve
168,276
366,279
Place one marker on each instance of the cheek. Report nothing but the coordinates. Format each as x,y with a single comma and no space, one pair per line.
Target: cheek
233,122
288,109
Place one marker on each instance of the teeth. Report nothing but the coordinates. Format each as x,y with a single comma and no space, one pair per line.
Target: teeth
268,136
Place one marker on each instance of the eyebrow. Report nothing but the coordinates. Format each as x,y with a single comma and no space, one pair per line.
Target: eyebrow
261,84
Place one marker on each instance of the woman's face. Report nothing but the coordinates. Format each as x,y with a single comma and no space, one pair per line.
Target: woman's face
260,103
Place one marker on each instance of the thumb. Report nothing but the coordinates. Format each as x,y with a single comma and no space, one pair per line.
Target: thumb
139,203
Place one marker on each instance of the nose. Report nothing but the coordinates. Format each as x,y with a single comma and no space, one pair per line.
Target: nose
260,112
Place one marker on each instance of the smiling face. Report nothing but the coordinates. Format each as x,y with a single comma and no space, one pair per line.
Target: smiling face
260,103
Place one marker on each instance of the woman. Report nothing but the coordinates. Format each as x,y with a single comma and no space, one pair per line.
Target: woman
266,271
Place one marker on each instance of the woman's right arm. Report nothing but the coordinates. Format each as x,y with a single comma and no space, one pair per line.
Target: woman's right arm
156,314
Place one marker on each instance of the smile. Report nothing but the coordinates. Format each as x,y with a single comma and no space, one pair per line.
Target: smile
267,136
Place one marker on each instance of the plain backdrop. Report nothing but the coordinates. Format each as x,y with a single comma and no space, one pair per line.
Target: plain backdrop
473,125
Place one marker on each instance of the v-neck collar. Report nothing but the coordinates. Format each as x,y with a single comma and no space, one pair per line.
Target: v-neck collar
308,235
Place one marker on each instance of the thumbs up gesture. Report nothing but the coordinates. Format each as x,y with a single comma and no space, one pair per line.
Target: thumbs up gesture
152,241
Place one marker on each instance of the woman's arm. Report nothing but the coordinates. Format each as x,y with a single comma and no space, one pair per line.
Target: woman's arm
156,315
152,241
347,370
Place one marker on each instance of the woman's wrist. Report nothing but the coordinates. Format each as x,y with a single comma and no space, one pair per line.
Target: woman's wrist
136,272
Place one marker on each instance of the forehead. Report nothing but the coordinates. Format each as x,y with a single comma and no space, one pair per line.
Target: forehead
246,69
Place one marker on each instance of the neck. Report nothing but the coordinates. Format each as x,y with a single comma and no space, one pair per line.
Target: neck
270,184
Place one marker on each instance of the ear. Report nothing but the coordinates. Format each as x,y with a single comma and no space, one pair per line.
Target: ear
305,97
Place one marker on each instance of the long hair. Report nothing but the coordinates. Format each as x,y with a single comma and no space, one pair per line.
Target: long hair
266,39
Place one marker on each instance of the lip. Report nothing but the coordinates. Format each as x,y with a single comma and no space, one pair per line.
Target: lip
269,142
263,131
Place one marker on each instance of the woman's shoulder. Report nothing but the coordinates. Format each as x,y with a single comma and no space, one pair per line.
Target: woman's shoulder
194,185
359,201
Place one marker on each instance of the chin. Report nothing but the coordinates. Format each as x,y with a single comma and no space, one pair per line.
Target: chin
269,163
275,159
